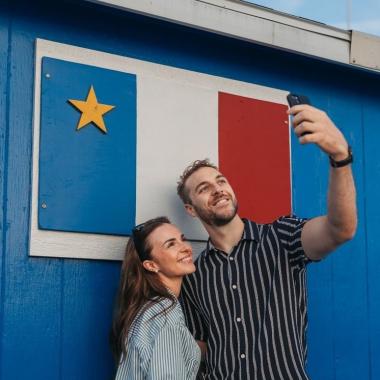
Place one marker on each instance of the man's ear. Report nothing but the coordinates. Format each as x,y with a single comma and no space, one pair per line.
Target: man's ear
190,210
150,266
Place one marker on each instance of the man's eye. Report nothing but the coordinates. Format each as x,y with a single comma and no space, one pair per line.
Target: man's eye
202,189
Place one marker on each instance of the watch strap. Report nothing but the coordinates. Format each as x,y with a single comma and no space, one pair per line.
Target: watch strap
348,160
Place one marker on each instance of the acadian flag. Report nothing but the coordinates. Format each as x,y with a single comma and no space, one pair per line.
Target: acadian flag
87,180
113,144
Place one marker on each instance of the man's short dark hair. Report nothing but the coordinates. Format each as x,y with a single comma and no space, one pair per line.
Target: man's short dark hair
181,189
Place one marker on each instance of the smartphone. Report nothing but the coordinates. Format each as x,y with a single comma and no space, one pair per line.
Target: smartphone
294,99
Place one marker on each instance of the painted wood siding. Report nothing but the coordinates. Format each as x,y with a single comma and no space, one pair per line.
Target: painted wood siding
55,314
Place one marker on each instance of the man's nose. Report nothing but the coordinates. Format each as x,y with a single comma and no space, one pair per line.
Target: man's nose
217,189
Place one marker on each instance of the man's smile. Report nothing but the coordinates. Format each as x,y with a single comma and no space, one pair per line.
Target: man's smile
220,201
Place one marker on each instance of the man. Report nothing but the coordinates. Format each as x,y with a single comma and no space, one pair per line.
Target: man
246,303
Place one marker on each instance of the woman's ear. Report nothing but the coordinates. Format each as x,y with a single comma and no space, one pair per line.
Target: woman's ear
150,266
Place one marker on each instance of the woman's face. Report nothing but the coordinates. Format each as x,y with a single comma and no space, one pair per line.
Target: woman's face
171,254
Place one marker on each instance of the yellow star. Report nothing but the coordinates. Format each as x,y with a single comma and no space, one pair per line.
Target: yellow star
92,111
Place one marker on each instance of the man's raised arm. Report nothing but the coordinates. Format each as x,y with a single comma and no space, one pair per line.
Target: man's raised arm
323,234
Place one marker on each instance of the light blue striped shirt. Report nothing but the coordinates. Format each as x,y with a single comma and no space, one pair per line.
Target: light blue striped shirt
160,348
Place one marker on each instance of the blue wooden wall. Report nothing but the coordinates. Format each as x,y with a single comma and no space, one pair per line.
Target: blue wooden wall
55,313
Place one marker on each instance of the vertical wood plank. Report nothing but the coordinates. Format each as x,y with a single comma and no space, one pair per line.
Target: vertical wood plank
4,62
89,290
371,165
310,181
350,261
31,311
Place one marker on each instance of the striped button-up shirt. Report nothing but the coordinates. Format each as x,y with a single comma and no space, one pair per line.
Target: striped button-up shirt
250,305
160,347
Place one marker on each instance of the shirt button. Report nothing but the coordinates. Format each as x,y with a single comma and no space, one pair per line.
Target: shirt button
242,356
231,258
234,286
238,319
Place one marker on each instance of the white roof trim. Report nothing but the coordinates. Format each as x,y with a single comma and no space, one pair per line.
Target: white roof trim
249,22
365,50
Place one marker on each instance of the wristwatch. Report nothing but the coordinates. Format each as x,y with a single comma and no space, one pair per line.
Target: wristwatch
345,162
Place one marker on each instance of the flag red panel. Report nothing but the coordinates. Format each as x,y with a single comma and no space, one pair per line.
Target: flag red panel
254,155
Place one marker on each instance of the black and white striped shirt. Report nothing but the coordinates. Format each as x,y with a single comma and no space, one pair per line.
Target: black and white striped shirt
250,305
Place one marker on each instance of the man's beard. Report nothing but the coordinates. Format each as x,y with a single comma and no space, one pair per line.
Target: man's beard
214,219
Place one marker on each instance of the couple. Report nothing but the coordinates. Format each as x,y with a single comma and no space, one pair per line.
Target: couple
244,300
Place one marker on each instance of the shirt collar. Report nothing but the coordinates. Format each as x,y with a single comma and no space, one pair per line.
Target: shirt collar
250,232
172,293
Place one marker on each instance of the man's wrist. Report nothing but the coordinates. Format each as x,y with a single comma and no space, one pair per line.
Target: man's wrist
338,163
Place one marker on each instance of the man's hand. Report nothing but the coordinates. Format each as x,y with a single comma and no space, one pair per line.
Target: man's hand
312,125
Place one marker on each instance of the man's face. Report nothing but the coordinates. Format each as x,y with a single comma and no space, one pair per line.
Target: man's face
212,197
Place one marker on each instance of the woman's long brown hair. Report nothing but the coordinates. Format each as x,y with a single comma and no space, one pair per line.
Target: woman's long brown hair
138,288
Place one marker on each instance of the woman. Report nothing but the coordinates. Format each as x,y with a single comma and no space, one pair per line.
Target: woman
149,335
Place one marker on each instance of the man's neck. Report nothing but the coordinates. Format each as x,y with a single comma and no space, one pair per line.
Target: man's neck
226,237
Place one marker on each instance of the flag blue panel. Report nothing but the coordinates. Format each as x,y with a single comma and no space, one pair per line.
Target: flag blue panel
87,177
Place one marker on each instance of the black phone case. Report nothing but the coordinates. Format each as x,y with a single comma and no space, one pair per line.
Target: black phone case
294,99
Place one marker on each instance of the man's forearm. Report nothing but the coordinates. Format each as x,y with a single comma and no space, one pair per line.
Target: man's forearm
341,212
323,234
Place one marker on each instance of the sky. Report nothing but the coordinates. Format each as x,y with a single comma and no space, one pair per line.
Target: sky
360,15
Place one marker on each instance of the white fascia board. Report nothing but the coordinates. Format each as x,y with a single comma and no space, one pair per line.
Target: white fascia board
365,50
248,22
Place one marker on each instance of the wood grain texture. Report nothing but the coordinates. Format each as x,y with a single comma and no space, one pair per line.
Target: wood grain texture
4,62
371,219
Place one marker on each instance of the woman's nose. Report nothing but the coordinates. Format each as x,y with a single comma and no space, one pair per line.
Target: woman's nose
186,246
